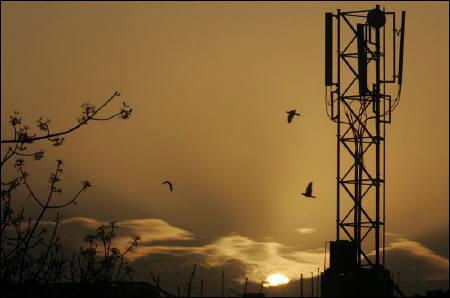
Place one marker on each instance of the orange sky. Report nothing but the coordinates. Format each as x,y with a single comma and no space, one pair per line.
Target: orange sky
209,84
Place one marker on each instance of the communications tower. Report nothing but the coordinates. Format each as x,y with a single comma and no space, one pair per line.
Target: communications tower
363,66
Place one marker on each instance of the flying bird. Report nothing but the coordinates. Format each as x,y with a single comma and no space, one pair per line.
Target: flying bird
170,184
291,115
308,191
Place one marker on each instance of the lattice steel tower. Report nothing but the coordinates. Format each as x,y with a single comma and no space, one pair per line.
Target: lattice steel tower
367,50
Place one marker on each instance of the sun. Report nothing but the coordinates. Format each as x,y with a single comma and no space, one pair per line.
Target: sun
276,280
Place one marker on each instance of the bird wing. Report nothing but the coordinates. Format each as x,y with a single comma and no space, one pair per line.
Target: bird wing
290,116
169,183
309,189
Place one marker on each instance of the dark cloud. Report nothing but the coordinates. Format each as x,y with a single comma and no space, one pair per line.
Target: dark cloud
172,252
437,239
420,268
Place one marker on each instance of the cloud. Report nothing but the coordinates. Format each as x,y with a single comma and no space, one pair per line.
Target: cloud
172,249
420,267
151,230
422,262
73,230
306,230
393,235
263,258
259,259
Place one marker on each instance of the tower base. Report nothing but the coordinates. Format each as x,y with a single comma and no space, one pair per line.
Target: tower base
360,282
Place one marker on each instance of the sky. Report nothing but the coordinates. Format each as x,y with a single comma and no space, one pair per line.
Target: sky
210,84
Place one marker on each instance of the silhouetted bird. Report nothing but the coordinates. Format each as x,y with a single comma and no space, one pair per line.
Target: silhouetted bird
170,184
291,115
308,191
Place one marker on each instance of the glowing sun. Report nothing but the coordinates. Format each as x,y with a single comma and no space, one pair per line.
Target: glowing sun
276,280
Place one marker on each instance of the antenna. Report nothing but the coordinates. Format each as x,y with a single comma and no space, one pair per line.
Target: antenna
362,60
402,43
328,49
